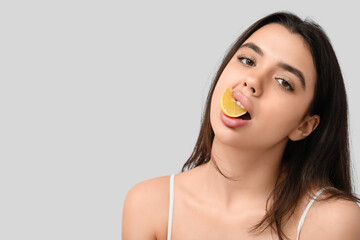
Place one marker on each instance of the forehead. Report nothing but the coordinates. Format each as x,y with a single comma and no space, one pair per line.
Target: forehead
280,45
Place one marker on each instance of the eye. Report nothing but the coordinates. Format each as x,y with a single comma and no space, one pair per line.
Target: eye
285,84
246,61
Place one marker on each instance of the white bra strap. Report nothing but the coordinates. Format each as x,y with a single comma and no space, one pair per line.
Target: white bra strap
302,219
171,206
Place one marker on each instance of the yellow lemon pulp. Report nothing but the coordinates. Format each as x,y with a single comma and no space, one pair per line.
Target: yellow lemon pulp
229,106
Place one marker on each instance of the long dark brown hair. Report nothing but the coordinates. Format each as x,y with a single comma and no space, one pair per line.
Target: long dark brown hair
322,159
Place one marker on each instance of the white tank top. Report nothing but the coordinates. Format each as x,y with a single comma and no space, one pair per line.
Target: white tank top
171,209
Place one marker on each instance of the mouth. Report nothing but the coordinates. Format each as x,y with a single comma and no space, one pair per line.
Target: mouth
244,103
246,116
235,122
236,108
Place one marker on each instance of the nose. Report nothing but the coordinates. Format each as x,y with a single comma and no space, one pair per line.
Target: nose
252,84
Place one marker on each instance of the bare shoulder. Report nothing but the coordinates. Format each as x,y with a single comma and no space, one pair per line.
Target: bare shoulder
146,209
152,189
332,219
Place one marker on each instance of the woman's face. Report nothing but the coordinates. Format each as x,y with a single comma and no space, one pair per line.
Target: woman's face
273,75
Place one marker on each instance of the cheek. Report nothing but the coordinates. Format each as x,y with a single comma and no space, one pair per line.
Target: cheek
215,108
215,98
283,118
225,80
215,105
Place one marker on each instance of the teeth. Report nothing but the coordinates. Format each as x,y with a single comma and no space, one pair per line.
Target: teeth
238,103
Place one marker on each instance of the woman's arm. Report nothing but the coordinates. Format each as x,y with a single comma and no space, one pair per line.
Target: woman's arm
145,210
137,216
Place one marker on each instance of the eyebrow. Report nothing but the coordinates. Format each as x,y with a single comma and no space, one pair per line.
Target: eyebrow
253,47
282,65
294,71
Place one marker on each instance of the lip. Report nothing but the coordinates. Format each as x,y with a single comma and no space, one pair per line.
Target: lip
232,122
244,101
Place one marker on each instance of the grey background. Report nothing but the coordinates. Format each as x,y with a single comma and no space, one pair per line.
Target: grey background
97,96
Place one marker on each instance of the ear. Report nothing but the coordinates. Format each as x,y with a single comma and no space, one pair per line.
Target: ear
305,128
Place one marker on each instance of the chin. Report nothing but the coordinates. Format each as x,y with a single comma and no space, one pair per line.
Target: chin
227,136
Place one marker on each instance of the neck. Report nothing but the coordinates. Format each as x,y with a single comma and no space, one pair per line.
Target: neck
250,175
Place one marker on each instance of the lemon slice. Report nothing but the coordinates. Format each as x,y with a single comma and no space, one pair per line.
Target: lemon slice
229,105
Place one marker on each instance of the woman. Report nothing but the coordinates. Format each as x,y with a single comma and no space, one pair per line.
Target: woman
282,170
